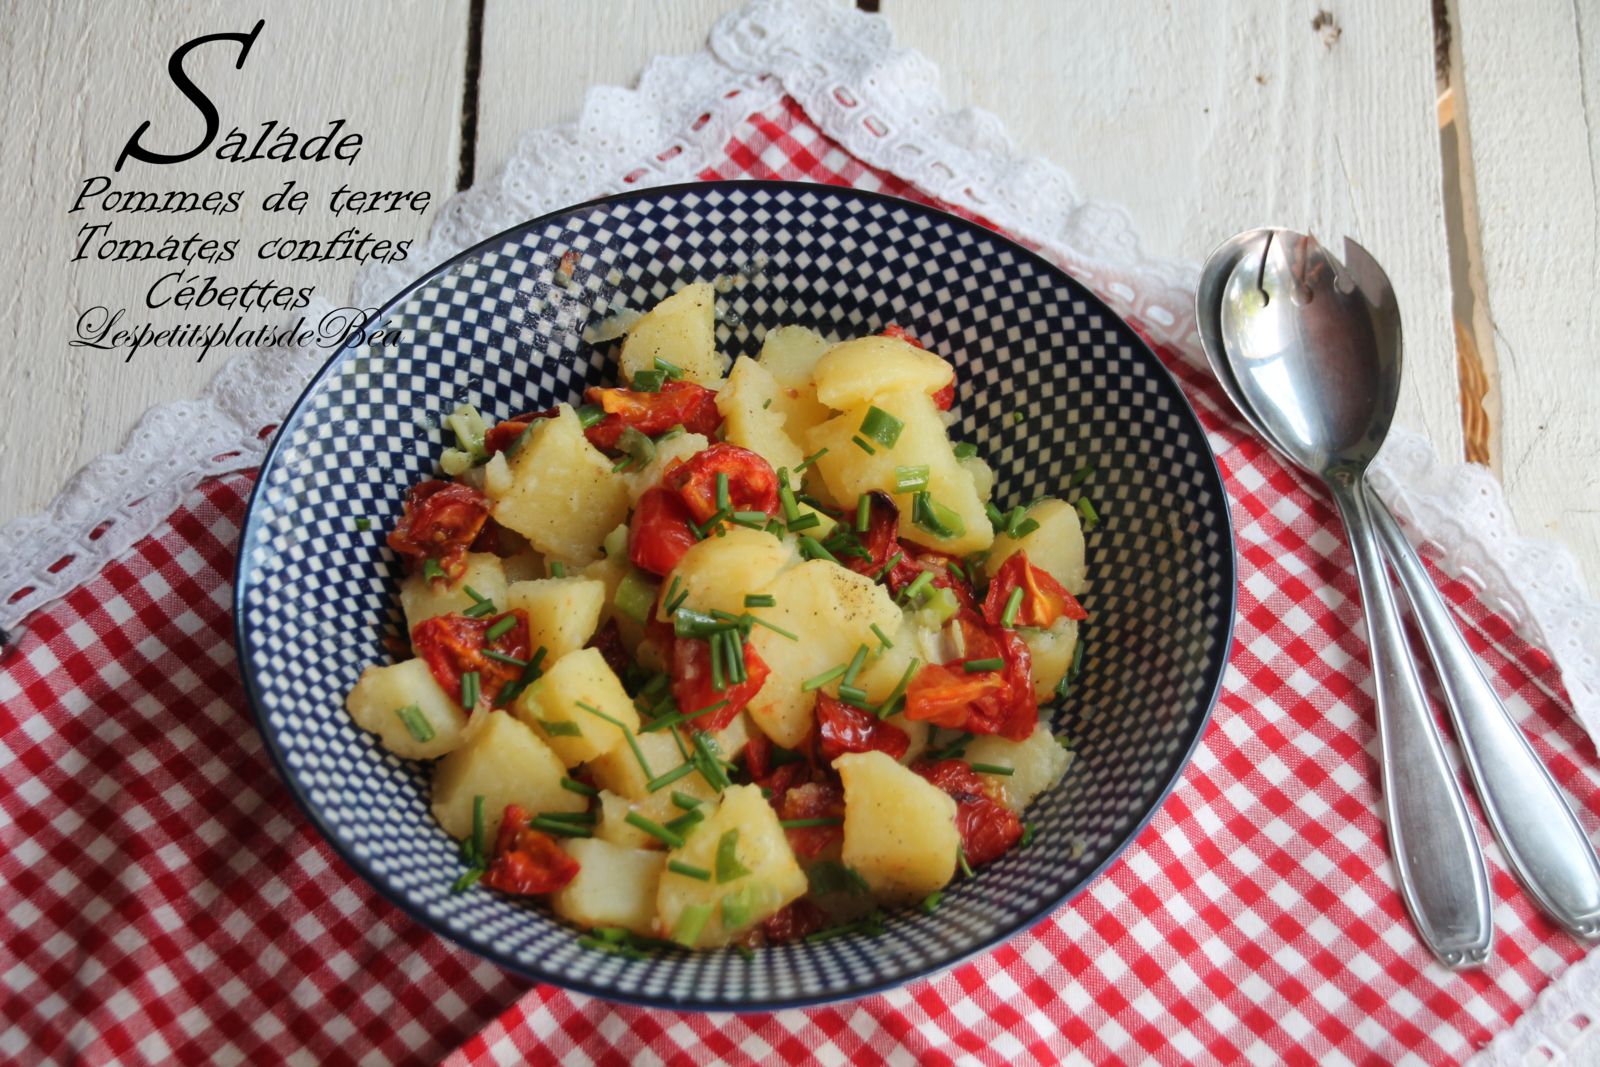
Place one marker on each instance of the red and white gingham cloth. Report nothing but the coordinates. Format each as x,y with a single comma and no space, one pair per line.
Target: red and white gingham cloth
164,900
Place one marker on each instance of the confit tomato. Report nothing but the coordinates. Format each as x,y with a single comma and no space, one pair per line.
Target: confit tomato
988,828
944,398
660,533
502,435
842,728
526,860
998,701
692,683
453,645
882,543
440,521
793,922
679,403
752,483
1043,598
608,639
822,799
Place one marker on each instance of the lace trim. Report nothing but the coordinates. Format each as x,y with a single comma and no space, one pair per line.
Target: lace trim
885,106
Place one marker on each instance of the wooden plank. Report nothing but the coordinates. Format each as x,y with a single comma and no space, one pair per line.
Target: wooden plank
80,78
1207,119
1531,74
541,56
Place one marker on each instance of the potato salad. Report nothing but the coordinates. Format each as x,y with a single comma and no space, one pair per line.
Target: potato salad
730,655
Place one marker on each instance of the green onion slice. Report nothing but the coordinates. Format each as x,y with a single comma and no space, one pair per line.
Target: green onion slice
881,427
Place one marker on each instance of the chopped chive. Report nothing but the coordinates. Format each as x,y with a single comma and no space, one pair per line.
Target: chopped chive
1081,475
1024,528
861,444
559,829
1027,835
887,708
719,680
687,622
883,638
767,403
431,569
671,370
931,902
724,501
572,785
584,818
745,950
965,449
706,758
691,920
589,414
889,565
363,524
501,628
479,610
469,690
820,680
997,518
689,870
956,572
501,657
961,861
1091,517
1017,417
774,627
416,723
872,926
531,671
801,824
1013,518
811,548
558,569
755,520
668,721
854,696
806,521
685,801
477,597
919,585
687,821
654,829
733,649
478,832
934,517
911,479
1013,605
791,506
994,768
627,735
975,666
863,512
857,661
648,381
561,728
467,880
809,460
728,865
1077,660
760,600
881,426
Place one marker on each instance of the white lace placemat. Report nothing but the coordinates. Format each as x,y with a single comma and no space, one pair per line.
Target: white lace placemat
885,106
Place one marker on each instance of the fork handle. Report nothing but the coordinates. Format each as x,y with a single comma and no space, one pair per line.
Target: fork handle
1436,856
1544,844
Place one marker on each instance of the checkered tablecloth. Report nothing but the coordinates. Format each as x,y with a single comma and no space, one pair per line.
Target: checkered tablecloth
162,898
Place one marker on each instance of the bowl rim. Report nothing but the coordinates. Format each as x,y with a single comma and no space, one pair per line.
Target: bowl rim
1004,932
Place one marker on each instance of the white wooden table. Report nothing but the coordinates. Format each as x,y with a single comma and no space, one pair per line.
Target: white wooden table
1468,168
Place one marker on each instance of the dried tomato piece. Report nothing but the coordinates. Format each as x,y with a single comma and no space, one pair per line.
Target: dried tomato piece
811,800
945,398
900,333
794,921
1043,598
692,683
453,645
439,521
660,533
526,860
752,483
882,543
692,406
988,828
608,639
503,435
984,702
842,728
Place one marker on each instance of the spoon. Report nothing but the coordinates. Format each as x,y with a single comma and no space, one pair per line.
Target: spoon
1544,844
1313,355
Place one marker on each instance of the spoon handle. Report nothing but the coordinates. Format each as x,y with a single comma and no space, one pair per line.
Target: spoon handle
1436,855
1544,844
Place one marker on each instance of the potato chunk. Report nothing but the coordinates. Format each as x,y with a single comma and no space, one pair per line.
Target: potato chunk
756,877
505,763
551,707
619,770
850,471
1052,655
832,611
717,573
614,826
789,354
682,330
563,613
667,452
855,373
982,476
1056,547
420,600
1039,762
899,828
378,697
747,404
615,886
563,497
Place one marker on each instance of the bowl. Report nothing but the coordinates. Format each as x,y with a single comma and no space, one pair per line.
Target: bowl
502,325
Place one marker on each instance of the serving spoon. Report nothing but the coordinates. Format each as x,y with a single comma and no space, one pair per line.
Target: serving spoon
1543,842
1309,351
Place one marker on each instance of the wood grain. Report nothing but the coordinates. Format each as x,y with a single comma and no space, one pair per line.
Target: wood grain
1531,73
1207,119
79,78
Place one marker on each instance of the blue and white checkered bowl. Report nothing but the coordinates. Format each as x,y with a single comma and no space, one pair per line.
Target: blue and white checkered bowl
501,326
